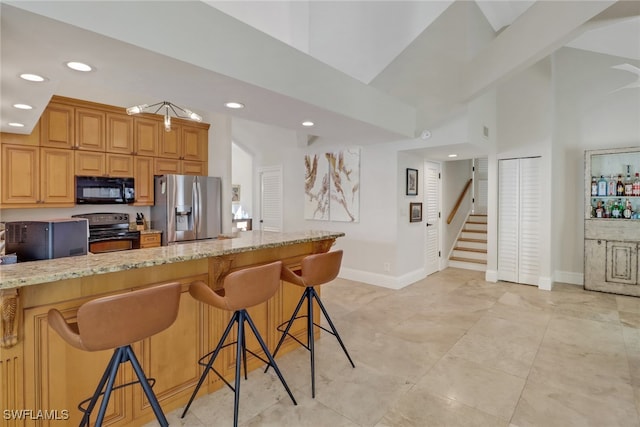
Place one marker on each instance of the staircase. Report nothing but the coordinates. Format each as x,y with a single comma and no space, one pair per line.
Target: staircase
470,251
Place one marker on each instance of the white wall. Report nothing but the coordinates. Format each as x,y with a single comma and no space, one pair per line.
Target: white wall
242,175
524,129
589,114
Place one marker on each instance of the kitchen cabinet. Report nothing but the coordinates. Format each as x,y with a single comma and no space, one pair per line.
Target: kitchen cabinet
149,240
57,126
35,176
93,163
89,129
182,167
119,135
146,136
143,180
611,245
184,142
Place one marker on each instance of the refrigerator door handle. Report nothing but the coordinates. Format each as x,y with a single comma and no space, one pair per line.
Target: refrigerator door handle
196,206
201,220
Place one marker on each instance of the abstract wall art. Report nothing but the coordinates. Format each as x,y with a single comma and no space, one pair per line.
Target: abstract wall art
332,186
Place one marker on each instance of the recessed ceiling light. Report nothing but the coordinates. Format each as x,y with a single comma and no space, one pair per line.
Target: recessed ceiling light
234,105
22,106
307,123
79,66
452,155
16,125
32,77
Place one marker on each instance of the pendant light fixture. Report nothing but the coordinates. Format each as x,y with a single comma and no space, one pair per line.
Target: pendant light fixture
169,109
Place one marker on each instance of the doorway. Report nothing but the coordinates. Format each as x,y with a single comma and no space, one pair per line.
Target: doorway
270,179
432,217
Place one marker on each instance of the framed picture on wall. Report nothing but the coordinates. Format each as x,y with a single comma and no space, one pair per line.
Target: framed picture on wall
415,212
412,182
235,193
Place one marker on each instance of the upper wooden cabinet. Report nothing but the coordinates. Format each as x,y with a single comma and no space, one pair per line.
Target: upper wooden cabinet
194,144
146,136
90,129
143,180
56,126
119,134
34,176
171,143
184,142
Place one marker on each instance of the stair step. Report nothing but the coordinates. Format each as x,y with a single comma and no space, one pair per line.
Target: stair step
468,265
466,239
476,261
462,248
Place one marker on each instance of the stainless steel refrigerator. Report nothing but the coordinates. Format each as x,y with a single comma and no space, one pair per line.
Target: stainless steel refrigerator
187,208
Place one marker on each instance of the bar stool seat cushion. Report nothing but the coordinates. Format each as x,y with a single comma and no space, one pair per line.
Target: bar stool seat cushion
118,320
316,269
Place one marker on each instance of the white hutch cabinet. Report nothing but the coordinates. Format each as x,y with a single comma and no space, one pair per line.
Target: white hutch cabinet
611,235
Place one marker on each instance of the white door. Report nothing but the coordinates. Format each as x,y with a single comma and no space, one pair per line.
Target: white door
431,214
519,213
480,185
270,198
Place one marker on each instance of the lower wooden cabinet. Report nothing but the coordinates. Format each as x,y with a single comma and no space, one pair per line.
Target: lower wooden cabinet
149,240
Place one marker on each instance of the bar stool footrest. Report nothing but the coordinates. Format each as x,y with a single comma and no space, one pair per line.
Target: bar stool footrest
150,381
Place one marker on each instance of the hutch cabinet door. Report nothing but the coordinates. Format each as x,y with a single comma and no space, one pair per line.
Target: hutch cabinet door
622,262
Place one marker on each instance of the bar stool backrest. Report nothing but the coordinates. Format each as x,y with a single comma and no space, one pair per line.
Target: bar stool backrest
241,288
320,268
118,320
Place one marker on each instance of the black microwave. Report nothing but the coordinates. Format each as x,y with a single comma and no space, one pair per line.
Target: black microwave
99,190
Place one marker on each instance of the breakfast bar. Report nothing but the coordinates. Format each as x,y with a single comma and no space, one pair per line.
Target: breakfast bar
43,379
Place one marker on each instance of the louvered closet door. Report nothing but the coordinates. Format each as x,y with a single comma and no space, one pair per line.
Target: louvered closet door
271,199
519,220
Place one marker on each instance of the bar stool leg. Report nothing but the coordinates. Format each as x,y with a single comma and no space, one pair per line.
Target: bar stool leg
210,363
267,353
107,393
310,340
96,395
289,324
333,328
153,400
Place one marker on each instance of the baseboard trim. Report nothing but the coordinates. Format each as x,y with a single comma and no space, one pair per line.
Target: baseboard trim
491,276
569,277
382,280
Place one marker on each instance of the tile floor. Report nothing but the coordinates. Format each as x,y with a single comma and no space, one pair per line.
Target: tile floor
453,350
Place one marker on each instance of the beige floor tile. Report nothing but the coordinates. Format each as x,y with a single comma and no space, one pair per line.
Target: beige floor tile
544,405
453,350
500,344
363,394
419,408
489,390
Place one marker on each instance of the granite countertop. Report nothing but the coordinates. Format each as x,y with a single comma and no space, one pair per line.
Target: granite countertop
36,272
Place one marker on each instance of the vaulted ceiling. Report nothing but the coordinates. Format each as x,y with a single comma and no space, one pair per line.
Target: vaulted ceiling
363,71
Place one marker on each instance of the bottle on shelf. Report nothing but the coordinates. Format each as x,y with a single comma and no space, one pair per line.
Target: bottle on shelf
636,185
628,183
616,209
599,209
602,186
594,186
611,191
619,187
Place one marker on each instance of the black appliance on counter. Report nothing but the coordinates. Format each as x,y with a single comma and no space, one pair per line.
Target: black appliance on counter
97,190
49,239
109,232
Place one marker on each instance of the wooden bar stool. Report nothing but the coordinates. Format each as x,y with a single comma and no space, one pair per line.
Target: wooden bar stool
241,289
316,270
115,322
